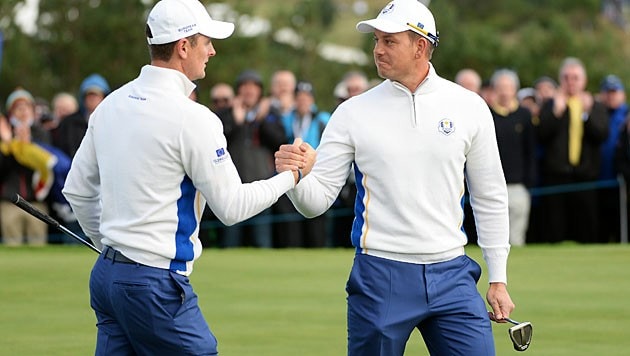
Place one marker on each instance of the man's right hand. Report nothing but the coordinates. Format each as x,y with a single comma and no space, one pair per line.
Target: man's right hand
297,156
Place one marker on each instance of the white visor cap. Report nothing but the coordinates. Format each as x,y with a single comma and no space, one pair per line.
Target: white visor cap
403,15
172,20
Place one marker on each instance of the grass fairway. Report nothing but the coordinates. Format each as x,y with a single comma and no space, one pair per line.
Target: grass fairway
292,302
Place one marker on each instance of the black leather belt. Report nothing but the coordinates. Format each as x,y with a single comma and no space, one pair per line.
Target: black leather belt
116,256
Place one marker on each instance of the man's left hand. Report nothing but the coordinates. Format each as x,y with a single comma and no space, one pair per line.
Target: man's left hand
499,300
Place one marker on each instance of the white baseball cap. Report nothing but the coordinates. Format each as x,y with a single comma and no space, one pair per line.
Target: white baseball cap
404,15
171,20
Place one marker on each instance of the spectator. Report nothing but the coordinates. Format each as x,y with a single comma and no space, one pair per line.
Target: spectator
72,128
469,79
252,137
67,138
305,121
63,104
545,88
25,168
622,158
572,129
486,92
282,91
221,96
516,140
613,96
352,84
43,115
356,83
527,98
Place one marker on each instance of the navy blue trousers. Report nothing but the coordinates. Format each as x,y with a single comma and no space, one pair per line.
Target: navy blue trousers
142,310
388,300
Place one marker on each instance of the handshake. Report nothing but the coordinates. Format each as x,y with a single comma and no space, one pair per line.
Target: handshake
298,157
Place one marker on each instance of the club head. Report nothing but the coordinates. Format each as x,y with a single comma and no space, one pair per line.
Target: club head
521,335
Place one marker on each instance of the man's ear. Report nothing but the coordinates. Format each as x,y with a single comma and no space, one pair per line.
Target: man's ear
421,46
182,47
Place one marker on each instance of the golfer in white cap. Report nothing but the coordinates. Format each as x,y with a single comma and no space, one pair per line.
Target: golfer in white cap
414,139
149,162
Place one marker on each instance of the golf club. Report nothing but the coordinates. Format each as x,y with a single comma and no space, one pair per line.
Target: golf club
29,208
521,334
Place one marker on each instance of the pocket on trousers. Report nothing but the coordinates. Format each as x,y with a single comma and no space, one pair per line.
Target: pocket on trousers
180,293
132,288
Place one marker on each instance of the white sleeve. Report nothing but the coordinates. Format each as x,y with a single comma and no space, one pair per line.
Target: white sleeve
82,188
488,197
335,154
208,163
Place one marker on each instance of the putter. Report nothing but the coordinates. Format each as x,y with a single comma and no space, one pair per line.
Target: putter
29,208
521,334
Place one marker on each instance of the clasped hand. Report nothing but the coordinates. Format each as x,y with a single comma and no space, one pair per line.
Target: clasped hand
293,157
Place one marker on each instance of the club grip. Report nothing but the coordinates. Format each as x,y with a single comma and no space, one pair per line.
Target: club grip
29,208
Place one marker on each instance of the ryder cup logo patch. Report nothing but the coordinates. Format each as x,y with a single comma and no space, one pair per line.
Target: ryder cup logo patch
221,156
446,127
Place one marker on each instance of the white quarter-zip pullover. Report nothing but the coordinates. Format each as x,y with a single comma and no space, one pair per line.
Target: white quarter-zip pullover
411,153
149,151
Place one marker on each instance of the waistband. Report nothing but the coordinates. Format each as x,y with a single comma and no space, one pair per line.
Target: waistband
422,258
114,255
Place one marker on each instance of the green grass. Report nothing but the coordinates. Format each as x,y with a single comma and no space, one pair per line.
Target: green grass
292,302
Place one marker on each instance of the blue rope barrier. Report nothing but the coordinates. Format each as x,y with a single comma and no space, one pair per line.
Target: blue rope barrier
276,218
344,212
573,187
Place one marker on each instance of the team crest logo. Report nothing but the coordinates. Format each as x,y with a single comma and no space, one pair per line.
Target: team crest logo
446,127
388,8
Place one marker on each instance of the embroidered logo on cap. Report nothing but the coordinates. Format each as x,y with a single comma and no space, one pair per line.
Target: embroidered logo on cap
388,8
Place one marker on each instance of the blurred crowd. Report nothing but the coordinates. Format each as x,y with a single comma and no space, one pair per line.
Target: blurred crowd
565,154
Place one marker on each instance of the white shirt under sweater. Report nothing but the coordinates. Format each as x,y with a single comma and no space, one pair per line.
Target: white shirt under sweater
411,152
148,162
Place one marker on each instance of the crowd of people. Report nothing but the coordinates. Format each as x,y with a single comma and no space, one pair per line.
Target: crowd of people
136,166
41,137
558,136
553,133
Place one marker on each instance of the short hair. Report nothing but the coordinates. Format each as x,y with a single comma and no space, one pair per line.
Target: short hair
415,36
163,52
469,73
505,73
571,62
545,79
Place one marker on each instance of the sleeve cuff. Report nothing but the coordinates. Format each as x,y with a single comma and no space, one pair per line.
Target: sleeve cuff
496,260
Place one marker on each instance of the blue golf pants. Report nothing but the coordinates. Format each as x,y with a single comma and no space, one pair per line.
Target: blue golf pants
388,299
142,310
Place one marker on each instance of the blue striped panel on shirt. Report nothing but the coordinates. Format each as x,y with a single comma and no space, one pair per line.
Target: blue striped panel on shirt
462,203
186,226
359,209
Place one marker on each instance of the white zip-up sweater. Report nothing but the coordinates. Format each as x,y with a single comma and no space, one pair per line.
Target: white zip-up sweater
411,152
148,153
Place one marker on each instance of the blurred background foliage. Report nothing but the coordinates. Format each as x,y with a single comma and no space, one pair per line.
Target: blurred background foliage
73,38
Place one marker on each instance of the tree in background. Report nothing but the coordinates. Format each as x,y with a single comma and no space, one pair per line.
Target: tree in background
78,37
